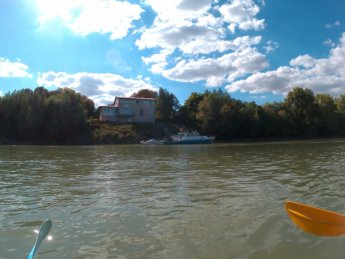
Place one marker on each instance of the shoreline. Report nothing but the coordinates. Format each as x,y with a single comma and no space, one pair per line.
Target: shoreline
135,142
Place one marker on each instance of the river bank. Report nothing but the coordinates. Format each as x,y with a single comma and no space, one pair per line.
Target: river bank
108,133
103,133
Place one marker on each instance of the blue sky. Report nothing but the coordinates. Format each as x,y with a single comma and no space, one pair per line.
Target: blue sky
257,50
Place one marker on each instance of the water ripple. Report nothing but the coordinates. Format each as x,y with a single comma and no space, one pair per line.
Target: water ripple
212,201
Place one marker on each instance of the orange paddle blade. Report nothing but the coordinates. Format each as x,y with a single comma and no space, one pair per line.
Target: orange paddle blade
315,220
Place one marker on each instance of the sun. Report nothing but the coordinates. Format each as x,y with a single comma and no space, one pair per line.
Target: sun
57,9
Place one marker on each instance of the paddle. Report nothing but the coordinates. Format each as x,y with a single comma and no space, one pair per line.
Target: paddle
315,220
42,234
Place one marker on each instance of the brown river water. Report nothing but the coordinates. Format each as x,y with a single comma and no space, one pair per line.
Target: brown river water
190,201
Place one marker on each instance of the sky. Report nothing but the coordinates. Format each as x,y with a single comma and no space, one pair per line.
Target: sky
257,50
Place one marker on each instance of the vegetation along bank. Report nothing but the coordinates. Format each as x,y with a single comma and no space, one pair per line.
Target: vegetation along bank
65,117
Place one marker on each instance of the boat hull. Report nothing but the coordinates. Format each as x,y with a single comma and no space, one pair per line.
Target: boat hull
189,142
152,142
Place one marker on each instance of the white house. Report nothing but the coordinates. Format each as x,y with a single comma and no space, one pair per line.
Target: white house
130,110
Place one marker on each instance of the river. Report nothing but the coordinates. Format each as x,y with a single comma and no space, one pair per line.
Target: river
189,201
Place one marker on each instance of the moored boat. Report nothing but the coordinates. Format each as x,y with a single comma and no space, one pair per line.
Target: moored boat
186,137
152,142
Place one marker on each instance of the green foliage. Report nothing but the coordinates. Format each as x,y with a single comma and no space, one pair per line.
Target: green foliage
145,93
65,117
301,107
301,114
107,133
340,103
212,111
166,106
44,117
187,112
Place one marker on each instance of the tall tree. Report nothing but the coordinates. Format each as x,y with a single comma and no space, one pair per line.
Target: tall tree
187,112
300,105
340,104
211,111
145,93
325,119
167,105
42,117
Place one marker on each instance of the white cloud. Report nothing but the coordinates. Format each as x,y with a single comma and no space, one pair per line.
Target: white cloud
332,25
170,36
101,88
1,94
320,75
271,46
198,32
178,10
216,71
157,58
84,17
330,43
203,46
303,61
192,5
241,14
13,68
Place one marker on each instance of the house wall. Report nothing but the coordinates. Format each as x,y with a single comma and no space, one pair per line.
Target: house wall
130,110
108,113
136,110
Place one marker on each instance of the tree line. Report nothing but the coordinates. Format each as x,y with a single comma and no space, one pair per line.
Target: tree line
62,116
41,116
302,114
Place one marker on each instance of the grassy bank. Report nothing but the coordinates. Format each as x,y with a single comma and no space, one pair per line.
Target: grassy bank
110,133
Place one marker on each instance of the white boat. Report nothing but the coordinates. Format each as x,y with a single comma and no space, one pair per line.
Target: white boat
186,137
152,142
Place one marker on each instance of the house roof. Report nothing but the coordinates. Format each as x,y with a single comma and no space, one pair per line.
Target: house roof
135,98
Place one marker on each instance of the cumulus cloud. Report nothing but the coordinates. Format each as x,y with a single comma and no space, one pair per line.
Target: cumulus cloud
101,88
170,36
203,46
178,10
216,71
84,17
13,68
320,75
241,14
195,30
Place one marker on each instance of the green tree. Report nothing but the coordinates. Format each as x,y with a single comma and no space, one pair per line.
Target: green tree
275,121
211,111
44,117
251,116
187,112
145,93
326,117
167,105
340,104
340,114
301,108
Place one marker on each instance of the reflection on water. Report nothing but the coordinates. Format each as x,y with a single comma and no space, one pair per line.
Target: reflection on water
207,201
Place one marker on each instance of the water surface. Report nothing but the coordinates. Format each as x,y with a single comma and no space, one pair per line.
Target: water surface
197,201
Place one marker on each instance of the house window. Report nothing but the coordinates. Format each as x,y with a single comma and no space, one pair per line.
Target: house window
141,112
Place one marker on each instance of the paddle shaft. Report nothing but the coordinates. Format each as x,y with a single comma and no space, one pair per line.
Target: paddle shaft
42,234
